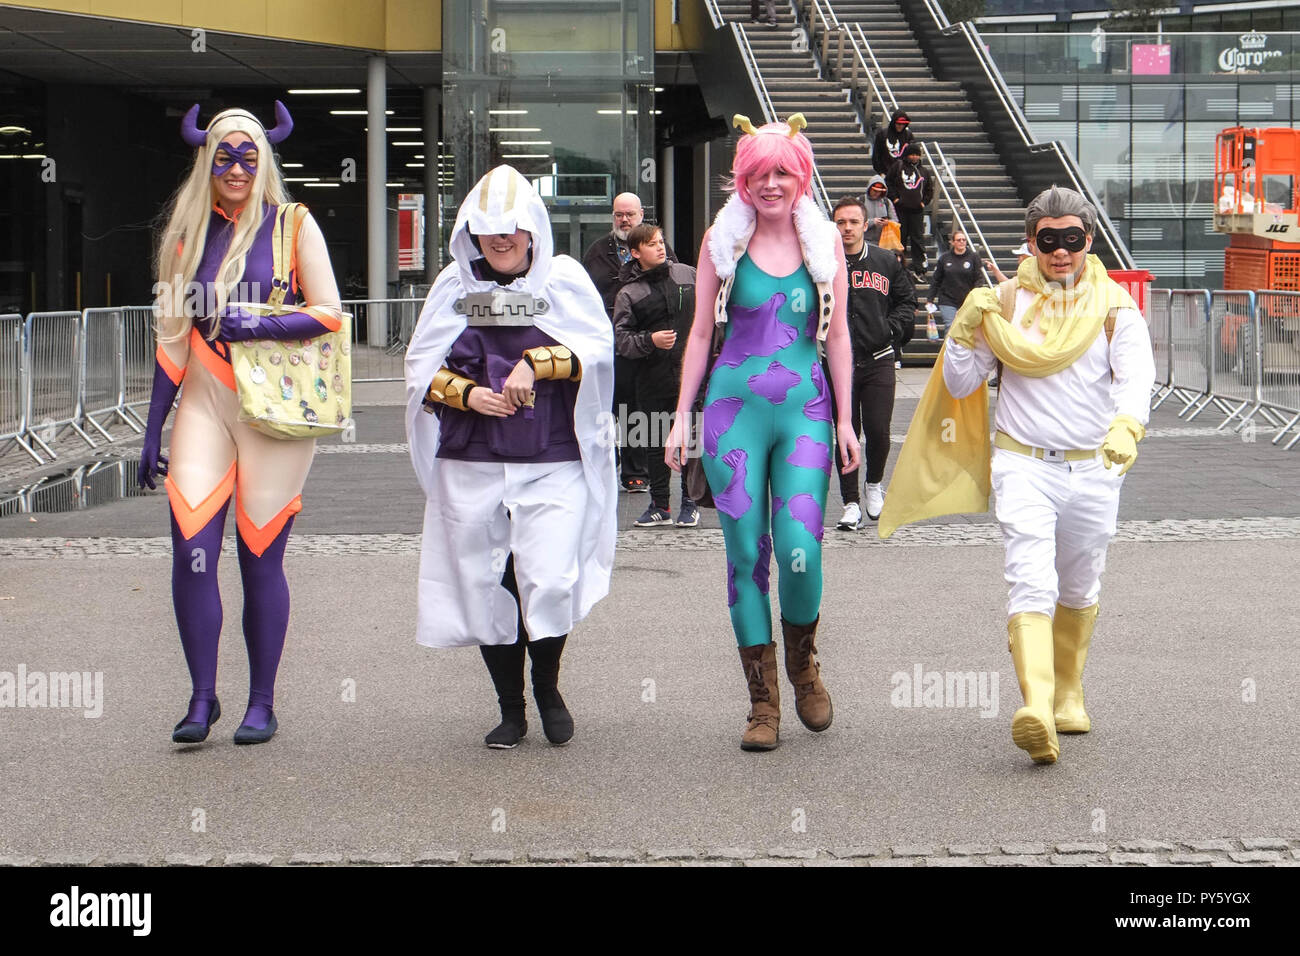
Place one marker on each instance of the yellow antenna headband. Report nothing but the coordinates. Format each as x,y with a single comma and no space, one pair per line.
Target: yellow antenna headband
795,123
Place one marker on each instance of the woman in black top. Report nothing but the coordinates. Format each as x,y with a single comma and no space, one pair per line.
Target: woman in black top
957,272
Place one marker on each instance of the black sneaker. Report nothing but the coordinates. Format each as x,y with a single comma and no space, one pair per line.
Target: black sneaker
654,518
635,485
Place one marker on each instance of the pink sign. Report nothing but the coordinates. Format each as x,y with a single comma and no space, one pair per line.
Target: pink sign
1151,58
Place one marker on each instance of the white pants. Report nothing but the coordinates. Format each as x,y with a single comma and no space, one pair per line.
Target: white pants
490,510
1057,519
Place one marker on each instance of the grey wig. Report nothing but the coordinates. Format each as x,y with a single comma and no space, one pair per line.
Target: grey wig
1056,203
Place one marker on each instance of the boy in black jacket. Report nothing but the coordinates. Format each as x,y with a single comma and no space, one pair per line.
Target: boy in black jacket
881,314
653,312
911,187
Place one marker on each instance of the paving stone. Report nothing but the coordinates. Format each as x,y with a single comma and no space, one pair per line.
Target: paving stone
436,857
1255,856
71,859
913,849
315,859
1024,849
1296,853
1082,848
953,861
792,853
1265,843
613,856
187,859
768,861
854,852
554,856
1138,859
1017,859
17,861
1206,846
1200,858
729,853
1077,859
825,862
249,859
492,856
658,854
1146,846
374,859
708,863
972,849
128,859
904,861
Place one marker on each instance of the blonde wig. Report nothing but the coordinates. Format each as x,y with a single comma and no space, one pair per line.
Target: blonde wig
182,244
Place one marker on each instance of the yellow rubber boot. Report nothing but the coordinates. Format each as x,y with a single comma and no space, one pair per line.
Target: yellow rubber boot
1033,728
1071,635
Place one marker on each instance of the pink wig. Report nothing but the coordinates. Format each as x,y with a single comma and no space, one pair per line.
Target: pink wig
771,146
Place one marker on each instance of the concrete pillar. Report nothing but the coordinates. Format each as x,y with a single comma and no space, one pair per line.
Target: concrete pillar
668,196
377,198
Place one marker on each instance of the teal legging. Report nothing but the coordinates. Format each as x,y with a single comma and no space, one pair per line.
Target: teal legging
767,425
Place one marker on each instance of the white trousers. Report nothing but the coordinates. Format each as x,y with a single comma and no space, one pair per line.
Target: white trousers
490,510
1057,519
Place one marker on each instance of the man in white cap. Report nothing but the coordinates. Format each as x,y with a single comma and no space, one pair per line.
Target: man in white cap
1021,252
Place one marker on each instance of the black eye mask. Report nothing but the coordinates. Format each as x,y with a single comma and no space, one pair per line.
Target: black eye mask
1072,239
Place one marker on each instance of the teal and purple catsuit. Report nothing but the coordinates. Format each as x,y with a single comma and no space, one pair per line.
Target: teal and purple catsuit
767,425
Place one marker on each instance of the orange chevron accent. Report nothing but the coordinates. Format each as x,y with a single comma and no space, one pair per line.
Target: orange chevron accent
324,317
259,539
192,519
220,370
171,369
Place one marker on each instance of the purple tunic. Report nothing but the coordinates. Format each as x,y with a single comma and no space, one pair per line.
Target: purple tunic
487,355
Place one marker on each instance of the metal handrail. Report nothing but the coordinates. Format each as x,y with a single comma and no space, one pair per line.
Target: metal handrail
1060,149
769,111
943,170
714,14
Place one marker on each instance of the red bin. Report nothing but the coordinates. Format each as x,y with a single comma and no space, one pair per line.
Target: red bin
1136,281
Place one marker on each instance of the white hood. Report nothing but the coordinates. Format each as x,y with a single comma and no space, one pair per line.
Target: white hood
501,202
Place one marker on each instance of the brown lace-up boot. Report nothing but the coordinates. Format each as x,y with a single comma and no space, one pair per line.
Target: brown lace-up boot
811,701
762,732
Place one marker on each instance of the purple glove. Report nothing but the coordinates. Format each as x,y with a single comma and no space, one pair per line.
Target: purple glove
240,325
152,463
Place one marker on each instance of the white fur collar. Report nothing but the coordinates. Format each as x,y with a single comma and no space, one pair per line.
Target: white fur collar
734,227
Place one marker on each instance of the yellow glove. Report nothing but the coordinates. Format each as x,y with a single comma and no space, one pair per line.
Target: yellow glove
971,315
1121,444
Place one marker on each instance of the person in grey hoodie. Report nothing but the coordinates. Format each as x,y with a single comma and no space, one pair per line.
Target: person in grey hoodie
879,209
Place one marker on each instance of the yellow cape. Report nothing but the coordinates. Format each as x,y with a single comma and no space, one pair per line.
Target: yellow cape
943,467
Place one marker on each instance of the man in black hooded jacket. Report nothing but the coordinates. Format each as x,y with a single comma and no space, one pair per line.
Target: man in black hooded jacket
890,140
881,315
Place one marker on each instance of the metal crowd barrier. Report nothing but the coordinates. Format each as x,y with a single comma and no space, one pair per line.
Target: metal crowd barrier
53,358
381,330
1189,323
1232,361
138,347
13,386
1278,338
103,369
1158,307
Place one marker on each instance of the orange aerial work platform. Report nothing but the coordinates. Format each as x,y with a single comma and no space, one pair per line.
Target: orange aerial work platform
1256,178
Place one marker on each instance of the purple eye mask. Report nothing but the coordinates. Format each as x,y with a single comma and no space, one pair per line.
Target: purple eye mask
238,153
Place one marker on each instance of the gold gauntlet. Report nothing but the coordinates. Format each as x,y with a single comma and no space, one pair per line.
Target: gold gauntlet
449,389
553,362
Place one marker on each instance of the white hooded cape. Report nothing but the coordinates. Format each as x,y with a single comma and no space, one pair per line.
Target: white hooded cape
576,319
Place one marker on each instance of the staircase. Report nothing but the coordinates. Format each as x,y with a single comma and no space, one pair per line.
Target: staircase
941,113
795,85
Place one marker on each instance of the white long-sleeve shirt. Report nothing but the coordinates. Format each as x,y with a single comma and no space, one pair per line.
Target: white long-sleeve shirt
1074,407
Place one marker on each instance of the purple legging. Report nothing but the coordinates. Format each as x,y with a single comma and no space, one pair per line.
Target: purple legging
197,599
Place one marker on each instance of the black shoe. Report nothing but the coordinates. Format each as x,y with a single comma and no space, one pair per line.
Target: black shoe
196,733
557,722
507,734
253,735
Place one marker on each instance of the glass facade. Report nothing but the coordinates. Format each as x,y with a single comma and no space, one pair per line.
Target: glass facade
563,90
1141,113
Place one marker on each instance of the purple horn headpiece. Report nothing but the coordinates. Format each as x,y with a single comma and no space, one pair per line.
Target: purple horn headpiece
196,137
